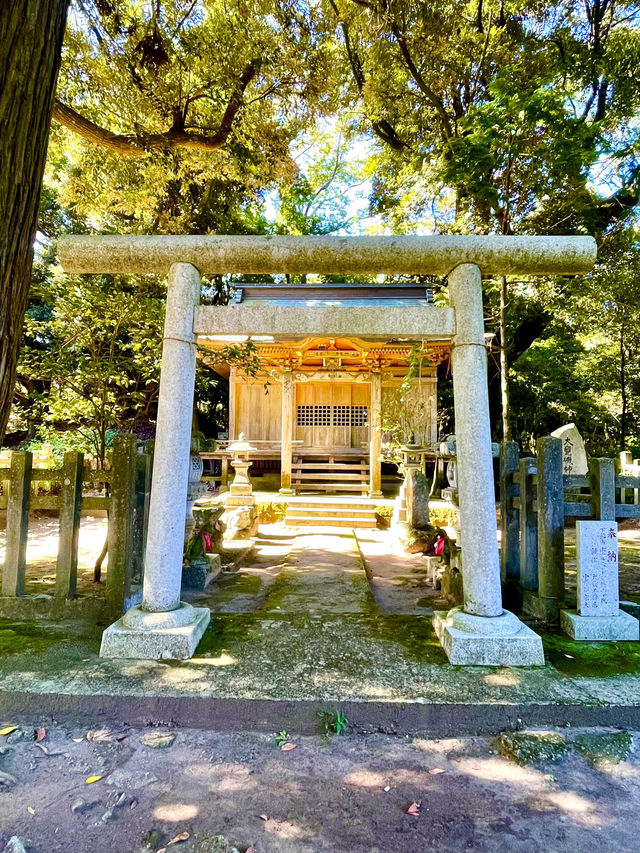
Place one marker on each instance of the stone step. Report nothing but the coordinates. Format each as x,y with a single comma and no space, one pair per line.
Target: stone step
343,504
328,521
331,486
297,512
338,478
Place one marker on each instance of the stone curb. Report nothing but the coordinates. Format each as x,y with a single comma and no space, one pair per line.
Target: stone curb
300,716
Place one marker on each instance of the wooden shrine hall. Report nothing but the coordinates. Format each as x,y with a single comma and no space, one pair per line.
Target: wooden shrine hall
315,408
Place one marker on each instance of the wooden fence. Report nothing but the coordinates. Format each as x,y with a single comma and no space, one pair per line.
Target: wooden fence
129,484
536,499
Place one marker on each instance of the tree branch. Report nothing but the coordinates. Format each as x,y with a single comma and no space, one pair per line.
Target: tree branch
138,145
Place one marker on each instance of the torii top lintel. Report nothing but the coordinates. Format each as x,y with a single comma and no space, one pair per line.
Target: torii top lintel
389,255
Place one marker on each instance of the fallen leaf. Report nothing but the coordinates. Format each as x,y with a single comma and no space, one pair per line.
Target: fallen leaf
263,817
435,771
100,735
31,810
120,739
287,747
157,740
41,734
414,809
133,804
178,838
91,779
7,730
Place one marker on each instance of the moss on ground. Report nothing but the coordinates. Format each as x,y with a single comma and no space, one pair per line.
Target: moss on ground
532,747
19,638
232,584
590,660
602,750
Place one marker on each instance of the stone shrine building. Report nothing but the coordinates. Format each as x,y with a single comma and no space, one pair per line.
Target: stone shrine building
314,410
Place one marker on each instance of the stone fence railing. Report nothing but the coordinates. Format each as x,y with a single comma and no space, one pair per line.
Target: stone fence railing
536,499
127,485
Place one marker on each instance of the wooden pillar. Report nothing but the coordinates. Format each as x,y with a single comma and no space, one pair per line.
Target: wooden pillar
286,447
375,436
70,503
17,523
233,389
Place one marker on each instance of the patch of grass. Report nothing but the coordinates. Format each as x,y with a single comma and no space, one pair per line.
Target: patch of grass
607,749
532,747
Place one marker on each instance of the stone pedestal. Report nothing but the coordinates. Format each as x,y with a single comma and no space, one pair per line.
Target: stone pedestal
481,632
173,634
621,626
487,640
201,572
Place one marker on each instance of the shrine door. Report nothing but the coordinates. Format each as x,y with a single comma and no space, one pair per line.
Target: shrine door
332,416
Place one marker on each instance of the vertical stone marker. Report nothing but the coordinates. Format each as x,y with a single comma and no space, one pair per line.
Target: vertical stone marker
574,455
598,616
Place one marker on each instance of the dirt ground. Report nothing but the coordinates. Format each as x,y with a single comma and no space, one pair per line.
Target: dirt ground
330,793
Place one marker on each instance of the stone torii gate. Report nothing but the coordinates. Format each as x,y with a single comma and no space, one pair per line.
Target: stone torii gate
479,632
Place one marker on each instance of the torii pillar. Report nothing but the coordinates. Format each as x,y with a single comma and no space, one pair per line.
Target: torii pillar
479,632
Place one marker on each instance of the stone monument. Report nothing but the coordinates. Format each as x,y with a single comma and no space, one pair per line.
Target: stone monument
598,616
574,456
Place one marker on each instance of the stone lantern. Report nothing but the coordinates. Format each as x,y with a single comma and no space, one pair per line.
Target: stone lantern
240,515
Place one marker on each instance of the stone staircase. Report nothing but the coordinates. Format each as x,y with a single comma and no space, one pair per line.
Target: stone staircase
331,512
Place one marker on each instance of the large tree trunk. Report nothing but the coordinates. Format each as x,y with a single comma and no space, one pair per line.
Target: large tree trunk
31,34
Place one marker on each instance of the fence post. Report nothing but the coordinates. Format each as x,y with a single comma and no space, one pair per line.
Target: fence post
120,535
142,494
528,526
17,523
603,489
550,526
70,503
509,514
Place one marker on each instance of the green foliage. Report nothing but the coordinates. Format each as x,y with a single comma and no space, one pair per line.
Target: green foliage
92,355
174,69
281,738
332,723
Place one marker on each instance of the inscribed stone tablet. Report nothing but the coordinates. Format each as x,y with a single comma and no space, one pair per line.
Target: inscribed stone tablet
574,455
597,558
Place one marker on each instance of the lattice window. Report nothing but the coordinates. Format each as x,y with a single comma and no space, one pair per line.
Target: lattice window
359,416
314,416
305,416
322,416
342,416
